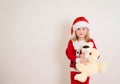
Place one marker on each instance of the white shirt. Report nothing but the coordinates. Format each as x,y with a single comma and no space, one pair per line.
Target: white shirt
77,46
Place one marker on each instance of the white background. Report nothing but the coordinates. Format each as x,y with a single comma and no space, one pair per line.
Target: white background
34,35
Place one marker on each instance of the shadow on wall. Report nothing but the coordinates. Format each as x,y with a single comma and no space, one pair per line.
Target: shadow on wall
62,60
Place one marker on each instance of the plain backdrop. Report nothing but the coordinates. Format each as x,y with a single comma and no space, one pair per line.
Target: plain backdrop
34,36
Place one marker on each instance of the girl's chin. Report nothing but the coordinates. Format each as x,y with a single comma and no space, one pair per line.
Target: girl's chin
81,36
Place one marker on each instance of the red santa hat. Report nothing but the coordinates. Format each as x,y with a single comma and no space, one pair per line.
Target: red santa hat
79,22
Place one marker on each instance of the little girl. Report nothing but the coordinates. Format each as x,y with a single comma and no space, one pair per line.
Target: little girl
80,34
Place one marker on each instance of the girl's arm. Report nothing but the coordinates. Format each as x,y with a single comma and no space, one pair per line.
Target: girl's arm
71,53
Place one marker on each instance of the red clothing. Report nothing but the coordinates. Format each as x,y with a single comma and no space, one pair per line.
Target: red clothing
73,81
71,54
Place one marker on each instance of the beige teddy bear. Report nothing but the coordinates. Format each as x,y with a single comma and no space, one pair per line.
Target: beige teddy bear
92,67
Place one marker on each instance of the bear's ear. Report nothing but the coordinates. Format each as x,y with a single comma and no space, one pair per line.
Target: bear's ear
91,44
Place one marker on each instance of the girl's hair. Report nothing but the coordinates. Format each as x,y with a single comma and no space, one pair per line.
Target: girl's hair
75,37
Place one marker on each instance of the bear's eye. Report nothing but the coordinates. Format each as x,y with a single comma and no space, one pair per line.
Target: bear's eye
85,46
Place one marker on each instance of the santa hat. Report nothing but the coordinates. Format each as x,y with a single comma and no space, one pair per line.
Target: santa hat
79,22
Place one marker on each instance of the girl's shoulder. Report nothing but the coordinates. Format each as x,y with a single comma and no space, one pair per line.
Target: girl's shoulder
70,44
70,41
90,40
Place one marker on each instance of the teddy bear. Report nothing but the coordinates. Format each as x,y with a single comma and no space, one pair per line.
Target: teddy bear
92,67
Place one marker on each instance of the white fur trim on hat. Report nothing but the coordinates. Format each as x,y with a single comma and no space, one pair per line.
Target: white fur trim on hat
80,24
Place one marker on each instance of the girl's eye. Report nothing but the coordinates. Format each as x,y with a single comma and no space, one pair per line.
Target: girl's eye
83,28
78,29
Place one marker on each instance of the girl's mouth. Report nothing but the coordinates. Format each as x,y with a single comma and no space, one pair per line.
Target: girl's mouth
81,34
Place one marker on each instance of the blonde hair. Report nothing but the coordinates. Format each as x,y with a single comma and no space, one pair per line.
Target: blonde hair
75,37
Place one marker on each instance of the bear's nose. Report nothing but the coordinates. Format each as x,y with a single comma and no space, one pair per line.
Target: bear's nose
85,46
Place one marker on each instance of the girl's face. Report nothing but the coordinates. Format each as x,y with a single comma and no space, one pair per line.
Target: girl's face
81,32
